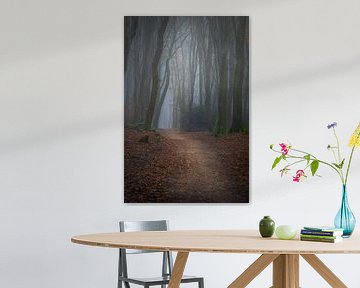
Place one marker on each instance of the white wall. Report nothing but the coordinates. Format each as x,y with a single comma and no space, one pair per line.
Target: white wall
61,132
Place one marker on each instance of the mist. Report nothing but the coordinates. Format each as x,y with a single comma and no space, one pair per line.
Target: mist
189,73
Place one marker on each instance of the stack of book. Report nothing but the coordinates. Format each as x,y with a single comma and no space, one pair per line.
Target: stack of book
321,234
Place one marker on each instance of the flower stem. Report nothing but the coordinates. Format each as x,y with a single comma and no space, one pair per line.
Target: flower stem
350,159
338,146
338,171
304,152
339,156
320,161
348,167
333,152
296,162
312,159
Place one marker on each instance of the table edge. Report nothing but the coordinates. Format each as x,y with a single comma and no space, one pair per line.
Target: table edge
207,250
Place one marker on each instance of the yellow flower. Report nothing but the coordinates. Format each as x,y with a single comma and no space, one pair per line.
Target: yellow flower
355,137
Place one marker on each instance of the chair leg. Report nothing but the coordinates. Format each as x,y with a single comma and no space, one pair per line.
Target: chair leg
126,284
201,283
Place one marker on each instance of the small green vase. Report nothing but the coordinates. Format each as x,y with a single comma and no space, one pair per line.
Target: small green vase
266,226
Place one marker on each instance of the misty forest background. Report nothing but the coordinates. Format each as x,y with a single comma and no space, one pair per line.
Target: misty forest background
186,81
187,72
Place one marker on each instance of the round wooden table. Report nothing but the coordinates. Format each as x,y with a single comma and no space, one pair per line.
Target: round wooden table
284,254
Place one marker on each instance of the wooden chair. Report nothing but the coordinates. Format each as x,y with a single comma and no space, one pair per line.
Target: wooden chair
167,262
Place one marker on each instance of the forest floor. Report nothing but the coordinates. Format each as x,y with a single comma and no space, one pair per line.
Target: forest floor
174,166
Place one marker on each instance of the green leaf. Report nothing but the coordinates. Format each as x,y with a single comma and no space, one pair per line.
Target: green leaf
336,165
276,161
314,166
339,166
342,163
307,157
271,146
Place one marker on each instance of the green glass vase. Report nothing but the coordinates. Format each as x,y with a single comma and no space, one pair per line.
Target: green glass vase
266,227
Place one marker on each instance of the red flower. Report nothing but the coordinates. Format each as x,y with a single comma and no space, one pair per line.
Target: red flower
300,174
284,148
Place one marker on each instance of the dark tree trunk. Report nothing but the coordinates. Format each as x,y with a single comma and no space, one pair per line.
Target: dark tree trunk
163,93
130,27
240,73
221,30
155,72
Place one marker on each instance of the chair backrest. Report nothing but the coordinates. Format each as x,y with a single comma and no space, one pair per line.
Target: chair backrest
135,226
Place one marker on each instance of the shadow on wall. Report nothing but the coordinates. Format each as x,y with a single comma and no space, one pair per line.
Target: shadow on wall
41,27
308,75
58,133
111,121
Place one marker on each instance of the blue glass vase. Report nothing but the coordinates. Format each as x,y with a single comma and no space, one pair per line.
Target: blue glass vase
345,219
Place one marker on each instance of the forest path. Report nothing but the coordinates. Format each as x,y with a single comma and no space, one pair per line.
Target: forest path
204,177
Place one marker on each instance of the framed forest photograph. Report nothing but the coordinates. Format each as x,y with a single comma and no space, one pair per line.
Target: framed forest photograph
186,109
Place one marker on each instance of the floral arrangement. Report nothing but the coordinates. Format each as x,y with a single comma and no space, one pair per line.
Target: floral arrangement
295,157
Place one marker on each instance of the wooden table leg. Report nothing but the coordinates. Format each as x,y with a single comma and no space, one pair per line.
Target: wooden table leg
286,271
324,271
178,270
253,270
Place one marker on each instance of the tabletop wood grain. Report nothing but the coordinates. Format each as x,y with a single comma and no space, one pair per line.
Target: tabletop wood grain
217,241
